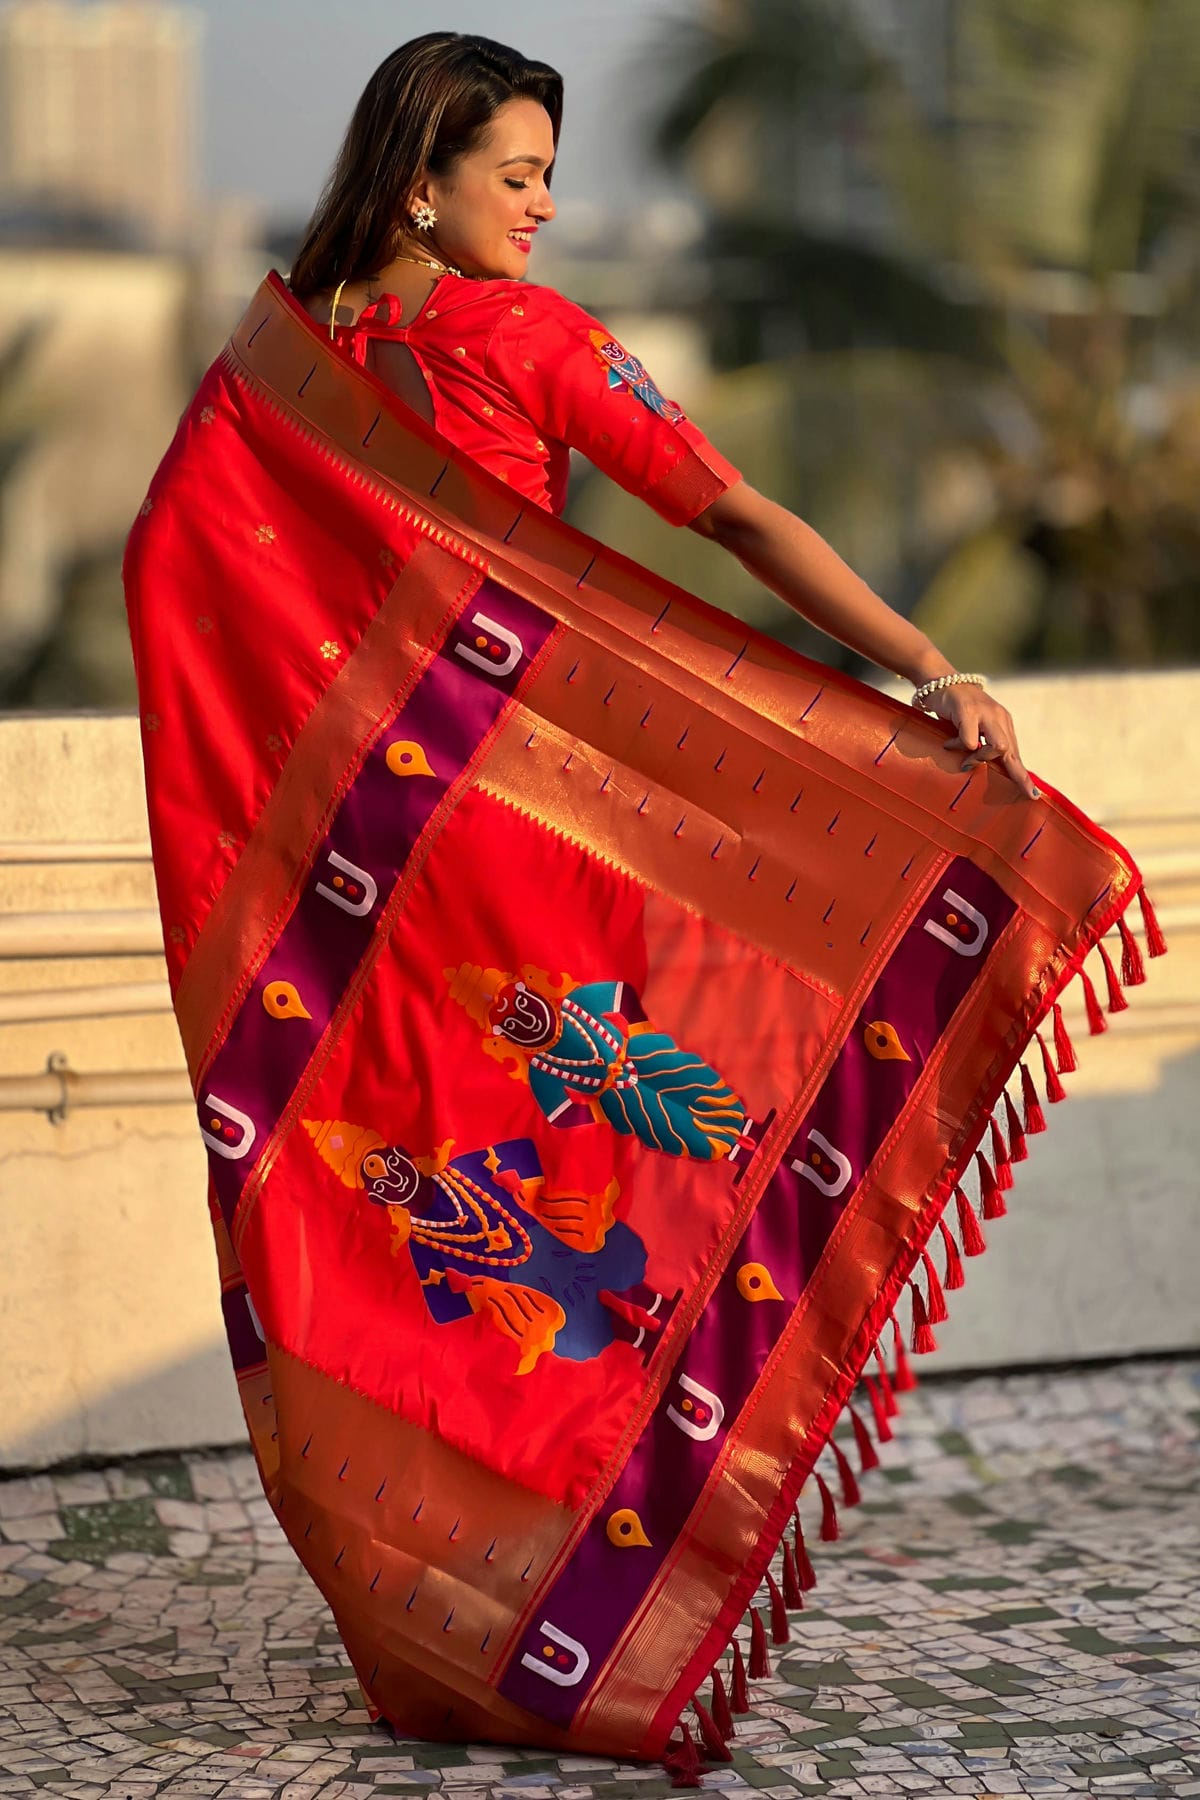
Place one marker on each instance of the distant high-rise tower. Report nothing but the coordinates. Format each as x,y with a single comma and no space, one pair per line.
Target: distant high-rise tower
98,110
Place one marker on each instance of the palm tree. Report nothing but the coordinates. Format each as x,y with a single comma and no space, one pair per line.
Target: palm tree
1021,308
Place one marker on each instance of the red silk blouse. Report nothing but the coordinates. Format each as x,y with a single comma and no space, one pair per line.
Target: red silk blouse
518,377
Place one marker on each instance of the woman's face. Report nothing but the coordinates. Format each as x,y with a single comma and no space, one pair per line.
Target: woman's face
494,200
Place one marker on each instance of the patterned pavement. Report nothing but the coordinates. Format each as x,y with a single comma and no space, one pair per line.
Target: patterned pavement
1014,1609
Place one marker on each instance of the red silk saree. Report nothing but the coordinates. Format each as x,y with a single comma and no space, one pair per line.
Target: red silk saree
607,1029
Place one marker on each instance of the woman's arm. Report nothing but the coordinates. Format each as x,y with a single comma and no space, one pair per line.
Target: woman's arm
791,559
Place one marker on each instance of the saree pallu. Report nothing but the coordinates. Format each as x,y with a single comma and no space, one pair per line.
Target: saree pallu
593,1008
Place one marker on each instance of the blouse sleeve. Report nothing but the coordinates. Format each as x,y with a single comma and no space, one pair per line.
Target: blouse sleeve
578,384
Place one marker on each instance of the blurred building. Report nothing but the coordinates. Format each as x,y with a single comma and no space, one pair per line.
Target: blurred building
94,343
98,110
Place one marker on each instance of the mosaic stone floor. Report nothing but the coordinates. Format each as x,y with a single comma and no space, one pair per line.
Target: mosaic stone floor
1014,1609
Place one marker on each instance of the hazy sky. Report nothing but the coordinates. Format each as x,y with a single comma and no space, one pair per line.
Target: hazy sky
282,76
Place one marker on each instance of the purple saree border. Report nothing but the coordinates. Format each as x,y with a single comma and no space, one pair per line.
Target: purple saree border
457,701
557,1659
243,1328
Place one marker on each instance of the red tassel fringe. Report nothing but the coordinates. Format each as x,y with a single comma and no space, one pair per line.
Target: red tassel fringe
804,1568
722,1717
1116,999
760,1661
954,1277
923,1340
1055,1091
1064,1049
1156,943
1095,1017
973,1241
779,1620
710,1736
883,1425
793,1593
868,1457
829,1524
992,1199
885,1383
1004,1174
935,1304
1133,969
1018,1149
1035,1118
739,1693
903,1380
850,1492
683,1762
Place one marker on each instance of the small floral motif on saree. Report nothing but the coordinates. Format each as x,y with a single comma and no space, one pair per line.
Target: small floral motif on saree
622,366
331,650
265,534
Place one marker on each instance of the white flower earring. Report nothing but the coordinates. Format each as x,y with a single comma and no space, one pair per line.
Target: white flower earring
424,217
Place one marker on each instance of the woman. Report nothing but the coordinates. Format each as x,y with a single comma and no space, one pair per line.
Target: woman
591,1006
421,190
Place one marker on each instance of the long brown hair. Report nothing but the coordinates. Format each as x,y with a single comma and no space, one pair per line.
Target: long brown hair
428,104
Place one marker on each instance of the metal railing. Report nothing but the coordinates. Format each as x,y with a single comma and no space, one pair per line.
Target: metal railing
59,1090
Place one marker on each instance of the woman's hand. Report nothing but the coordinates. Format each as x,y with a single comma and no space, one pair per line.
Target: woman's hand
985,730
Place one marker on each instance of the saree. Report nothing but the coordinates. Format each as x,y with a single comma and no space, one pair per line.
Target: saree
608,1029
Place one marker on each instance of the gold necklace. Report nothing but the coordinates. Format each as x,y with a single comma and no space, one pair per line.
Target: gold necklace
446,268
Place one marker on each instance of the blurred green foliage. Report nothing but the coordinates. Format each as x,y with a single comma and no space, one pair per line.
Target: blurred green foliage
987,398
